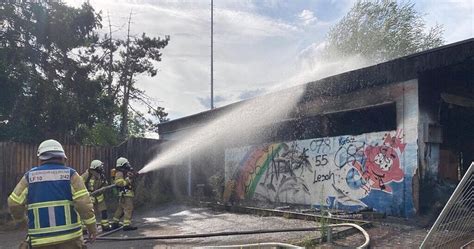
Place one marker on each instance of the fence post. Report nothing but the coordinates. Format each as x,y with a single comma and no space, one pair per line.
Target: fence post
329,235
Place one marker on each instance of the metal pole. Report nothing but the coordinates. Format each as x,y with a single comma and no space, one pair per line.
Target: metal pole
212,54
189,176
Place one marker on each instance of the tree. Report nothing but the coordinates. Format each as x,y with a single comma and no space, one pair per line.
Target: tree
381,30
58,79
138,56
158,115
120,61
49,92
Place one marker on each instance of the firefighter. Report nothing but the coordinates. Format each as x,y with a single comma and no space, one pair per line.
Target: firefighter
94,179
124,180
51,199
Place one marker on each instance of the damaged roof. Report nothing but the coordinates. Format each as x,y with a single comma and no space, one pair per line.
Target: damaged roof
397,70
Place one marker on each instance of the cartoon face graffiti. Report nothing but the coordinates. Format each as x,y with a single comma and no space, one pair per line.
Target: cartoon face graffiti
384,161
382,167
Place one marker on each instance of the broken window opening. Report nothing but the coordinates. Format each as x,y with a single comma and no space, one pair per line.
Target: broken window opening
353,122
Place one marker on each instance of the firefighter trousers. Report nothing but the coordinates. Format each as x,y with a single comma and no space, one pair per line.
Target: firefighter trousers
125,207
102,208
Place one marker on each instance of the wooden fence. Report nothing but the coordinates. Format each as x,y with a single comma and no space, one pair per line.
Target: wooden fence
18,158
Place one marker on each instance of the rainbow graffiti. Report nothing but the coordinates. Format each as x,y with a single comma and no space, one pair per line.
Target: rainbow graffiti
251,168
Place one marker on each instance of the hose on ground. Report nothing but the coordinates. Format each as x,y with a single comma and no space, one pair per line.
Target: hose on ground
202,235
257,245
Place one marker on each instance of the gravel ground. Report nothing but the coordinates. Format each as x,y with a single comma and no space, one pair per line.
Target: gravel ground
171,219
178,219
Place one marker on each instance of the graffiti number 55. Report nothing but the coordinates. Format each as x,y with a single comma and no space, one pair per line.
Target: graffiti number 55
321,160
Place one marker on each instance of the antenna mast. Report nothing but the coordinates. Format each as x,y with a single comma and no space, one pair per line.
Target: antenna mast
212,54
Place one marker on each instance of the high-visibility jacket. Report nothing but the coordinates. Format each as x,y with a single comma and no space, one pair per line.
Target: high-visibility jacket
124,184
55,198
93,182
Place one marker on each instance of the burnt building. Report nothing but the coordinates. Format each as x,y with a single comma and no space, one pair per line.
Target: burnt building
394,137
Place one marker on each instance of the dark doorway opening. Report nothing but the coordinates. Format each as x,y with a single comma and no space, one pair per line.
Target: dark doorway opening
458,140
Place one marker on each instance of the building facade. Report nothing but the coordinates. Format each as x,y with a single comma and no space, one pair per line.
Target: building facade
394,137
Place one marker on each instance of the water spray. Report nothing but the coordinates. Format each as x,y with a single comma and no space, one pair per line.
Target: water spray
249,120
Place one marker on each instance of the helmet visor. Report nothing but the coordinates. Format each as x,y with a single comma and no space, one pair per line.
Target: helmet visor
52,154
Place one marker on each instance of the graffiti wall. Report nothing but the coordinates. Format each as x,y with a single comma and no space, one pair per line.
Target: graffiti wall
377,170
344,172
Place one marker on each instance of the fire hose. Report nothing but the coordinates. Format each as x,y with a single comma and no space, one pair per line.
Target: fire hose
103,237
202,235
101,190
258,245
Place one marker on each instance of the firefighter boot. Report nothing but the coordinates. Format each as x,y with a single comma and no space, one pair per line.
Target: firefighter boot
129,228
106,228
114,225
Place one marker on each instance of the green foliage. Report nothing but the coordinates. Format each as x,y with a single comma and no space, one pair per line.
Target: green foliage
102,134
137,57
287,216
48,92
381,30
324,220
60,80
119,62
158,115
137,125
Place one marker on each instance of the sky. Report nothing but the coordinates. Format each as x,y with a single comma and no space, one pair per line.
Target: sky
260,46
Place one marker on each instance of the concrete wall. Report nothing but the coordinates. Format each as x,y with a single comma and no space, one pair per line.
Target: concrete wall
374,170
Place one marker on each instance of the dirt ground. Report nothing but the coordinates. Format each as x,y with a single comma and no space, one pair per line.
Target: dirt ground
171,219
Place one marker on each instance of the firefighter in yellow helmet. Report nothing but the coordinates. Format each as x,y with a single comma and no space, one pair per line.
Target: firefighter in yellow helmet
124,180
94,179
52,199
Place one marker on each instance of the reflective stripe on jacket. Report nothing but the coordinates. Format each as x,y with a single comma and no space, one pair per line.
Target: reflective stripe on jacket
93,182
52,217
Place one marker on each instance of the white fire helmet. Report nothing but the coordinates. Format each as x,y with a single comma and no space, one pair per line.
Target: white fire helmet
122,161
50,149
97,164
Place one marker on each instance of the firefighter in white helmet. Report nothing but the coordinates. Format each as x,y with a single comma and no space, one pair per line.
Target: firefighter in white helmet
124,180
94,179
52,199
